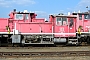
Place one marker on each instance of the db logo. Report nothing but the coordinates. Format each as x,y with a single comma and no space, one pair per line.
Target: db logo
61,30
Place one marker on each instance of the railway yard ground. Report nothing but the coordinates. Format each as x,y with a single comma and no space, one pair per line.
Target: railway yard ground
50,58
46,49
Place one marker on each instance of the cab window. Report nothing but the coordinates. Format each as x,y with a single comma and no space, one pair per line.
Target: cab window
61,20
80,17
19,16
87,16
26,16
71,22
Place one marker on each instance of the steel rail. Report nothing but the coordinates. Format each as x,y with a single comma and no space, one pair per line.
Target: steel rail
44,54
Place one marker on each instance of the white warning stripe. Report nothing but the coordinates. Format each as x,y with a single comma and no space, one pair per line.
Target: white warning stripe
51,33
45,33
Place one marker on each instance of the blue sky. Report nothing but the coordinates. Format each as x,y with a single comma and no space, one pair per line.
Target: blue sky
43,7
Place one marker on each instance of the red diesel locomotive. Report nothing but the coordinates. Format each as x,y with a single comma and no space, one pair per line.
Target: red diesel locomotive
24,28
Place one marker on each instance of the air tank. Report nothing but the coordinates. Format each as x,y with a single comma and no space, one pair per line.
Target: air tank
60,40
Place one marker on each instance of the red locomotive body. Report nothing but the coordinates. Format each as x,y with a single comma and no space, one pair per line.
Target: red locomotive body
3,24
24,28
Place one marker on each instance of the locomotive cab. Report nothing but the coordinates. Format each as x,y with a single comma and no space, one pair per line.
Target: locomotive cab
25,16
65,24
65,29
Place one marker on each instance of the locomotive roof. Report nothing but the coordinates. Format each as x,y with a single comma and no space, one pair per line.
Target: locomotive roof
81,13
73,16
24,13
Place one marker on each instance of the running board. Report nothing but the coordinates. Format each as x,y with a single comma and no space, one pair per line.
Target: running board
72,39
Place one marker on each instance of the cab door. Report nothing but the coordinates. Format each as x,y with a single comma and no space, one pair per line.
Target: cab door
72,25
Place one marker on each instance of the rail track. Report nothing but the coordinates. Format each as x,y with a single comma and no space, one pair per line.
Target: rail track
44,54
